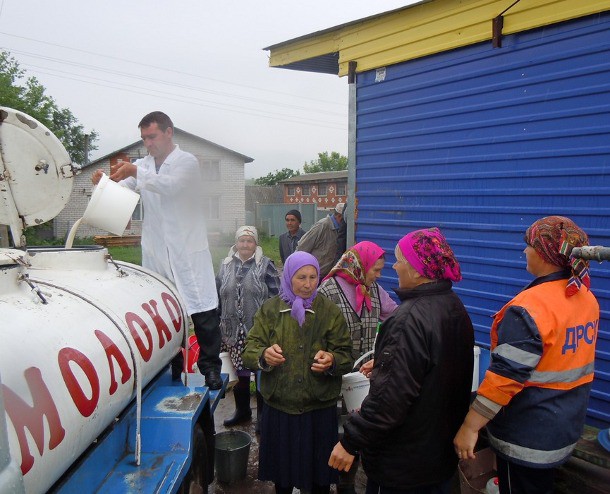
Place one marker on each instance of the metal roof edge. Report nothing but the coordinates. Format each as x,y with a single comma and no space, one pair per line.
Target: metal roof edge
247,159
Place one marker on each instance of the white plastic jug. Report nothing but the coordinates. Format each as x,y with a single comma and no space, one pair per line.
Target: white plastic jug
492,486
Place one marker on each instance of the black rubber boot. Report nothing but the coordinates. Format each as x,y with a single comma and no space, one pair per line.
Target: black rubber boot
241,393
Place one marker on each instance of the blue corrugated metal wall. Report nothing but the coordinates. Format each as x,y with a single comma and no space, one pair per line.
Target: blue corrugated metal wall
482,142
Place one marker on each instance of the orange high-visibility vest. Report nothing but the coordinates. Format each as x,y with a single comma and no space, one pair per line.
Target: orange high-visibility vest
568,330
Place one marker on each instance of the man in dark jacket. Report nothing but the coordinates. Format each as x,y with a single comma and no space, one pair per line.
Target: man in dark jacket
290,239
421,379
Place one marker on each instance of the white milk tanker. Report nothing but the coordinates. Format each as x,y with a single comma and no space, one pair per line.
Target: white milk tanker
87,403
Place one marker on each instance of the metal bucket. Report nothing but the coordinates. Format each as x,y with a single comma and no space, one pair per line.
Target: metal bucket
232,450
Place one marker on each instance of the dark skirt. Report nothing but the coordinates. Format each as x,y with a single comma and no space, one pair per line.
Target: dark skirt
294,449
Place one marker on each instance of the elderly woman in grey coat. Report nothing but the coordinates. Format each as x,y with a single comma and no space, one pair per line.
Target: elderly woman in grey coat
245,280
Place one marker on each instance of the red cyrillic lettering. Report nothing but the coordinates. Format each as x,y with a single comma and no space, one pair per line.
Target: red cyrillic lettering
85,405
162,328
112,350
174,312
25,416
132,319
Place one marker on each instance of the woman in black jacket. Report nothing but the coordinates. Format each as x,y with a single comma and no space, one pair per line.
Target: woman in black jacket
421,381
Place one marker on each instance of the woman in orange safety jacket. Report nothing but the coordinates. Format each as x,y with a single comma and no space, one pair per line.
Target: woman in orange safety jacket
534,397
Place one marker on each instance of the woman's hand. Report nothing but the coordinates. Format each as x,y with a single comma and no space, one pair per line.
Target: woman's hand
465,440
340,459
322,361
367,368
273,355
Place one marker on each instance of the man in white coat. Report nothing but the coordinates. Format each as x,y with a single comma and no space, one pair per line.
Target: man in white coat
174,235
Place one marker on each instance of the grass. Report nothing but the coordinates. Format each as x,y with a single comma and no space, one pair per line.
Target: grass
126,254
270,245
219,249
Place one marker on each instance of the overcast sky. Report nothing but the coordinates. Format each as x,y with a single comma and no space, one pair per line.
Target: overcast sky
201,62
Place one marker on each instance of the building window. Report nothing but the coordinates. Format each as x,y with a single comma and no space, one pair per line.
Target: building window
211,170
290,190
322,189
137,212
305,191
212,210
341,189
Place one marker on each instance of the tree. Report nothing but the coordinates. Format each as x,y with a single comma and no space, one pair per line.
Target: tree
29,97
326,163
276,176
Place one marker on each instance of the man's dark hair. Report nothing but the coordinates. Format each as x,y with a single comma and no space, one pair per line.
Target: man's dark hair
158,117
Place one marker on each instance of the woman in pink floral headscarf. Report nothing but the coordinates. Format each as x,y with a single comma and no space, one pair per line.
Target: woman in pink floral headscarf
352,285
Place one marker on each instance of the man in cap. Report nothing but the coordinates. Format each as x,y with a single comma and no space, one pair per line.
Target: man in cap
321,240
290,239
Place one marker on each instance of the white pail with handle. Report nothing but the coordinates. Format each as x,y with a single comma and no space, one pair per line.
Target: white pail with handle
355,387
111,206
228,367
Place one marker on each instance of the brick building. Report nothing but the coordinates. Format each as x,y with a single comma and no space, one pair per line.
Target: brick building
325,189
223,169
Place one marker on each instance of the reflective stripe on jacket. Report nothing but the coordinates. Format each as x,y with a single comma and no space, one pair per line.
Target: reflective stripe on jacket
543,351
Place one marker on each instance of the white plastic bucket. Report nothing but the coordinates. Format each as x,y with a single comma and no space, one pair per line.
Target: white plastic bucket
228,368
111,206
354,388
475,369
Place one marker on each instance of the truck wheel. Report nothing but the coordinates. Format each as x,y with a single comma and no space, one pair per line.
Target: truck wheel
196,479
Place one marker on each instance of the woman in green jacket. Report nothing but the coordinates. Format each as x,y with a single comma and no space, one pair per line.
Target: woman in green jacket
301,342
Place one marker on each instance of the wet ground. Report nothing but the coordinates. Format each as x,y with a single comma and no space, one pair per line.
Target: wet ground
250,484
576,476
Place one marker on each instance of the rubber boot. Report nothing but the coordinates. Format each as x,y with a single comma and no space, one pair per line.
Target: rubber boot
241,393
259,412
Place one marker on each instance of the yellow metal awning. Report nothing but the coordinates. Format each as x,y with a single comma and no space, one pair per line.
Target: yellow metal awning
418,30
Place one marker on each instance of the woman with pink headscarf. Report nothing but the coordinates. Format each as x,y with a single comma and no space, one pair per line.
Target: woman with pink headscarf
352,286
421,380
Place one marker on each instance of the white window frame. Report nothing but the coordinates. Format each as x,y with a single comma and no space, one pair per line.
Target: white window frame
211,170
212,210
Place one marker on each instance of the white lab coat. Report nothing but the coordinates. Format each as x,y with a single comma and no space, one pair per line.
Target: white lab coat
174,235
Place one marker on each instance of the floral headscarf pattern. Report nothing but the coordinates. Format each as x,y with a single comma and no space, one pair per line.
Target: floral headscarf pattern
353,266
429,253
553,238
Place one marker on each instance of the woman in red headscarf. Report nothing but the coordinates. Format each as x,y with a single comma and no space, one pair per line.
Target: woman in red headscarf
352,285
535,393
421,379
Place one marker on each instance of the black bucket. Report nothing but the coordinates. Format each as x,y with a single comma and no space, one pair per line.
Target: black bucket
232,450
